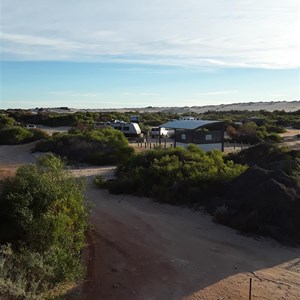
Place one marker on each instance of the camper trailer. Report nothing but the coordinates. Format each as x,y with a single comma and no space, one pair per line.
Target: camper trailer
134,119
129,129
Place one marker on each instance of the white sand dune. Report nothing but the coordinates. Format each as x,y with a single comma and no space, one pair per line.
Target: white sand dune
253,106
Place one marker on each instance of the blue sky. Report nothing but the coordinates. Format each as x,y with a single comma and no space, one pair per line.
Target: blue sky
136,53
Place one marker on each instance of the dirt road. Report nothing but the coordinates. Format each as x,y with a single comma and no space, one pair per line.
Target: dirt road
292,138
140,249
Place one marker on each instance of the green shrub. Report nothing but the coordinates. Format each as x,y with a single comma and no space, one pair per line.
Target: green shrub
173,175
15,135
23,274
96,146
264,202
43,217
268,155
19,135
124,185
39,134
275,137
6,121
100,181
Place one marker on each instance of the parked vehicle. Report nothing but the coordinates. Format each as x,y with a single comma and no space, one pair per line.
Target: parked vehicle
134,119
159,131
30,126
129,129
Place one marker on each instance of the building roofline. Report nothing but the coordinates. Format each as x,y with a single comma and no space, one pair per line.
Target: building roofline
189,124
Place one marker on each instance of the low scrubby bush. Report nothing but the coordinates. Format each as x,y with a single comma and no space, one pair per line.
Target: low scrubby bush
15,135
96,146
43,218
175,175
100,181
265,203
269,156
6,121
20,135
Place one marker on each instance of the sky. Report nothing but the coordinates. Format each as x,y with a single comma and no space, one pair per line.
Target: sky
138,53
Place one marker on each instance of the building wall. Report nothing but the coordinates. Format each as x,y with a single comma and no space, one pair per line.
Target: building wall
198,136
205,147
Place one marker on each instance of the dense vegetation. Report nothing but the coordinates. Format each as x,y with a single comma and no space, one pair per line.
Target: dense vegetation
42,224
20,135
96,146
11,133
269,156
88,118
276,118
242,126
261,200
266,198
175,175
252,133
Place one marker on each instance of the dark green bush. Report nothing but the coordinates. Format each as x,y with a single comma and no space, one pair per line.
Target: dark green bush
96,146
265,203
20,135
174,175
274,137
15,135
269,156
124,185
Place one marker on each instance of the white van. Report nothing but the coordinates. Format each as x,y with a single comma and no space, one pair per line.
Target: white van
159,131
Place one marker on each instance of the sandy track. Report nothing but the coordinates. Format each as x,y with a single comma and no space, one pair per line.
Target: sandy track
51,130
140,249
17,154
291,138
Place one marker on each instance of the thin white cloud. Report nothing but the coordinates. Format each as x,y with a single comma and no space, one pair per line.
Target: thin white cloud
39,41
193,33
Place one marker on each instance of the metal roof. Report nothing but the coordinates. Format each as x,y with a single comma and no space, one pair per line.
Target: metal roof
188,124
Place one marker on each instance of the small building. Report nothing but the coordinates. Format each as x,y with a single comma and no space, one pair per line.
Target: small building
208,135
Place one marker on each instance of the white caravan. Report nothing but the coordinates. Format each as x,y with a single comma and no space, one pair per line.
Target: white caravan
129,129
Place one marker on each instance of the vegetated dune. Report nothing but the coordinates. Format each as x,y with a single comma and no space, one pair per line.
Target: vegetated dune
262,105
140,249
